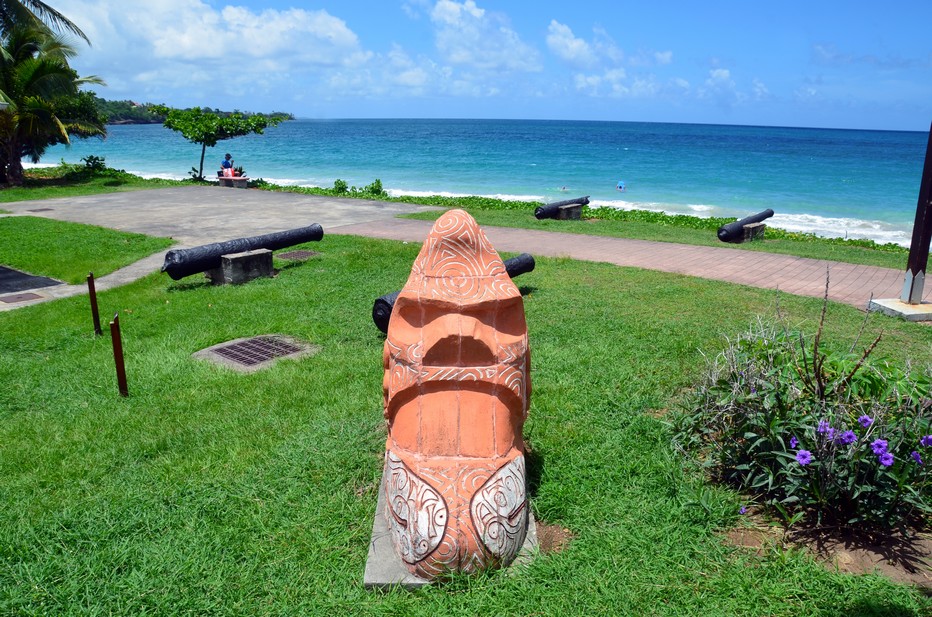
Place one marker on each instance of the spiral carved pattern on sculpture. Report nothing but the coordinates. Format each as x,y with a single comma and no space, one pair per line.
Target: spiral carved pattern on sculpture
418,514
499,511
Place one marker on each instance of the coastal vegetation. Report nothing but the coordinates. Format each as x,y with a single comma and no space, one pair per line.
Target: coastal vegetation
127,112
71,180
41,97
208,129
824,437
183,499
636,224
131,112
35,13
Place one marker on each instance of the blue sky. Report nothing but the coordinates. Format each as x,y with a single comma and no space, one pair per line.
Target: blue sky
817,63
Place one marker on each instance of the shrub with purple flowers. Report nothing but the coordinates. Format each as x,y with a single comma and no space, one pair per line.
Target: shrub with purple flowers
831,437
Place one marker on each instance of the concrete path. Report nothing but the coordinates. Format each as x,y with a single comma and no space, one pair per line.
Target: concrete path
199,215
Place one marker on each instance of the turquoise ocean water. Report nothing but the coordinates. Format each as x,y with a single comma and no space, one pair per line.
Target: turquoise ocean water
859,184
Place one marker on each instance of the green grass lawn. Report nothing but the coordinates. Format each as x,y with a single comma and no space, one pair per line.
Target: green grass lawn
73,180
68,251
212,492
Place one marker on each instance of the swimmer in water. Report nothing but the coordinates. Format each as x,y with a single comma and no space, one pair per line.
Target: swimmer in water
621,186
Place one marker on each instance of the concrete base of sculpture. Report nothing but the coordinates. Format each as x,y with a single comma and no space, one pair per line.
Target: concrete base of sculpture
238,268
384,567
894,307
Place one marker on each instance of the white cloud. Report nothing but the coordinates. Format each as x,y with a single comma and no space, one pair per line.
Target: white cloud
663,57
469,36
562,42
611,82
720,78
651,58
145,52
587,83
760,90
720,87
405,72
605,46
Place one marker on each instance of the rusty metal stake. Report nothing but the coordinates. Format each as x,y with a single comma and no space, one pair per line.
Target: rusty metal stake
118,354
92,293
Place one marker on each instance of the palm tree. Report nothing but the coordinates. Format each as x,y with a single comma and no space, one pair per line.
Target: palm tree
41,90
35,12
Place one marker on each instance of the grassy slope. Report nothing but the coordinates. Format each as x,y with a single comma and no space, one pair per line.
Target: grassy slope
68,251
212,492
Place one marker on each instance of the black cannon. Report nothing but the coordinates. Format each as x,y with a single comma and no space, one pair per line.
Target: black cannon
552,210
180,263
734,232
383,305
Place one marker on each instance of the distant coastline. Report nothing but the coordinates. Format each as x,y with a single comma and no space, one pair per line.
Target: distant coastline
129,121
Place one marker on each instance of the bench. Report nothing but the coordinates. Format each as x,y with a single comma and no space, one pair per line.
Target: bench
238,182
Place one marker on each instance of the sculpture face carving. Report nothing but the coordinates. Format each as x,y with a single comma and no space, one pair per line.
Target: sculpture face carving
456,393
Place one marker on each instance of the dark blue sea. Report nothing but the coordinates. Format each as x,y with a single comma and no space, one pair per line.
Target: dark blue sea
846,183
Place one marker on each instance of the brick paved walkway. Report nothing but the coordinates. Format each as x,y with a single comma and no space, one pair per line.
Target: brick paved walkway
850,284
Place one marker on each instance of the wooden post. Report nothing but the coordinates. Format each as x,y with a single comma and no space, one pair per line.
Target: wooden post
922,235
118,354
92,293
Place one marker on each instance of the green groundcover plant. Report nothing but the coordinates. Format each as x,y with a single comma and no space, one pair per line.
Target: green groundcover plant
828,437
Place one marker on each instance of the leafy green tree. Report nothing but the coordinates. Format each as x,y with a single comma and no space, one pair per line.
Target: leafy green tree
126,112
43,97
208,128
35,13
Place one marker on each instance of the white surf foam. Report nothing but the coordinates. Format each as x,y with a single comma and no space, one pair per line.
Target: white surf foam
504,197
826,227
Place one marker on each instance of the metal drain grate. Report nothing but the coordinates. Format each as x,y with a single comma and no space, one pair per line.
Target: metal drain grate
255,353
41,210
255,350
297,255
20,298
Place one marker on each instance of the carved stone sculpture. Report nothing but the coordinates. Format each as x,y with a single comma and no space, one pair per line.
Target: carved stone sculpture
456,392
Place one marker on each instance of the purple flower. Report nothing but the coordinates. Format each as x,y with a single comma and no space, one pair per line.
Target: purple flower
804,457
743,510
823,427
879,446
865,421
848,437
886,459
916,457
794,442
926,441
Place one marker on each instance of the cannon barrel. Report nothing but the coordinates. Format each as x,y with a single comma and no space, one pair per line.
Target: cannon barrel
383,305
550,210
180,263
734,232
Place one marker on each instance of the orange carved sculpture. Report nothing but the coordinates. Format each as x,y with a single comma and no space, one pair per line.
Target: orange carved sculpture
456,393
